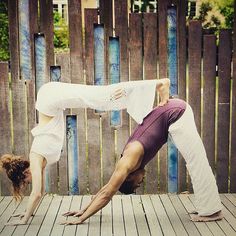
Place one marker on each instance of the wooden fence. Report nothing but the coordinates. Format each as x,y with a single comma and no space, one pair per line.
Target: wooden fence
119,46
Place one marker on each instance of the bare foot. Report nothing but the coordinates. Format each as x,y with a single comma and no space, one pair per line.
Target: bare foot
216,216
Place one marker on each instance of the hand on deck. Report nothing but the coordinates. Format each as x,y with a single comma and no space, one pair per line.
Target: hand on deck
16,222
74,213
71,222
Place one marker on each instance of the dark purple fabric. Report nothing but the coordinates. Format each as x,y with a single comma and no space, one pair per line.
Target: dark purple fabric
153,132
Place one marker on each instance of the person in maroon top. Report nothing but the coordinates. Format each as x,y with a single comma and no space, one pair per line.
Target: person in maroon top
172,117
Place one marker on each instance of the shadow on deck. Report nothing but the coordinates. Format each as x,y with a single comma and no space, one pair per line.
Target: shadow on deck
164,214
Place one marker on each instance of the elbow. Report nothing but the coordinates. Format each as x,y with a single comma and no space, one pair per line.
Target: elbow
107,195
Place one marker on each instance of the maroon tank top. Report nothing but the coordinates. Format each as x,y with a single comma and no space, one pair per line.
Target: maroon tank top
153,132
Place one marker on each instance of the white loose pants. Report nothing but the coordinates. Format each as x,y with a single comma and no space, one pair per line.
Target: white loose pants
187,140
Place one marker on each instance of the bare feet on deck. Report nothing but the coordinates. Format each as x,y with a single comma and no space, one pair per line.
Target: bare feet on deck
216,216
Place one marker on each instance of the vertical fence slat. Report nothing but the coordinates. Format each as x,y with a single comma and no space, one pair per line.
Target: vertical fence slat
136,56
46,27
194,60
33,5
72,153
77,76
150,72
173,76
209,92
163,73
194,74
20,144
224,73
121,29
94,170
64,62
76,45
5,123
181,31
233,133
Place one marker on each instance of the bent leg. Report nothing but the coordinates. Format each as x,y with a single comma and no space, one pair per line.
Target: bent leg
186,138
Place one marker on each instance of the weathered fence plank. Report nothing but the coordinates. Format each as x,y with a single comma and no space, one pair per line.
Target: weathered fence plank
46,27
194,74
224,73
63,61
150,72
209,93
121,30
136,57
76,42
182,48
163,73
233,134
93,122
5,122
18,86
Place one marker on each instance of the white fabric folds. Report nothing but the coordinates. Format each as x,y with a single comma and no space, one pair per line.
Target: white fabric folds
187,140
54,97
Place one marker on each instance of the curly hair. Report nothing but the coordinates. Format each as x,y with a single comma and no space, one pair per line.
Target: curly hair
15,167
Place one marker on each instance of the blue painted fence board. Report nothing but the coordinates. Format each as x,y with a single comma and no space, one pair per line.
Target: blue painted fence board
114,74
99,56
172,73
55,73
72,153
40,60
24,40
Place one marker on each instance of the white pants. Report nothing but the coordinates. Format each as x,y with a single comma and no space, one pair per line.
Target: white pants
186,138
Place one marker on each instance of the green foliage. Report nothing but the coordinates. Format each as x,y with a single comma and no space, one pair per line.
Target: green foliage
4,36
204,9
227,10
61,34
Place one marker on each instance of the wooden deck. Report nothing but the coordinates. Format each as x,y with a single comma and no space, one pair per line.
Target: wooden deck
143,215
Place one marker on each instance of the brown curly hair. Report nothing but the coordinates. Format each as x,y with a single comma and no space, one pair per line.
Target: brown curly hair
15,167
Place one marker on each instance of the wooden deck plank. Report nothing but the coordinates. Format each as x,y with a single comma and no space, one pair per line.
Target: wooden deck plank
202,227
162,216
6,215
75,206
153,222
183,214
139,215
130,226
175,221
4,203
65,206
117,216
94,224
37,220
229,214
50,218
83,228
21,229
8,230
106,221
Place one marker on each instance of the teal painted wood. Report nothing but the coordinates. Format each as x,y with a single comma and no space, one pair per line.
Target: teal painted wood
24,40
55,73
40,76
99,56
40,60
172,72
72,153
114,74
